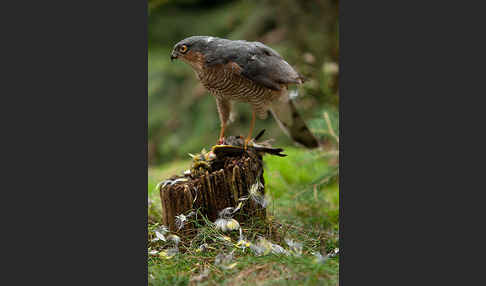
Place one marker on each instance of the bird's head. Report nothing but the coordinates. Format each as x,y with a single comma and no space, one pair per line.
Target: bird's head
192,50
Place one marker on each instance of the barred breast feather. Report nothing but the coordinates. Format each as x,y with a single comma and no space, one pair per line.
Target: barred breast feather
227,83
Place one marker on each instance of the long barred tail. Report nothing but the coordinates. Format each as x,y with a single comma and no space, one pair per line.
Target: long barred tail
292,123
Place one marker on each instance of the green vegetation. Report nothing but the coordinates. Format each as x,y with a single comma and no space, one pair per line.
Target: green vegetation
304,206
302,188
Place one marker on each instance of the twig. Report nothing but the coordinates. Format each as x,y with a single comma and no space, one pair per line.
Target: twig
325,180
331,131
329,153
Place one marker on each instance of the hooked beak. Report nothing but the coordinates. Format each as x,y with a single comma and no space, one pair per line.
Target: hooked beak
173,56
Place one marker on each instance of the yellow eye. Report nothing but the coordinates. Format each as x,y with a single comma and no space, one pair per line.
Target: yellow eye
183,49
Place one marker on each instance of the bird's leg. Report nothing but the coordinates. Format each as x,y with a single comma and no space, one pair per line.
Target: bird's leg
224,110
248,138
221,133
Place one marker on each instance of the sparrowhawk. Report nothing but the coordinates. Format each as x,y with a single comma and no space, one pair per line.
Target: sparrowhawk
247,72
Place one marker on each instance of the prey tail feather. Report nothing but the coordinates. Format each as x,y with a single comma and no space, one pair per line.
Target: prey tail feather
290,121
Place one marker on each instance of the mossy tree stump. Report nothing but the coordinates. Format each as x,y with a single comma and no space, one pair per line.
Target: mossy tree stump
218,179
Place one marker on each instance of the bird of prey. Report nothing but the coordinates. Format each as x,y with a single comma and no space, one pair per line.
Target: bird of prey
247,72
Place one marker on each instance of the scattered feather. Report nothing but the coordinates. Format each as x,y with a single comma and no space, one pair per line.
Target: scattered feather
232,224
203,248
178,181
181,220
162,229
295,247
319,258
231,266
219,258
223,259
330,68
334,252
169,253
242,242
229,211
293,94
176,239
256,196
226,212
238,207
200,277
159,236
257,249
226,224
277,249
225,238
169,182
160,233
195,190
264,247
220,223
153,252
163,184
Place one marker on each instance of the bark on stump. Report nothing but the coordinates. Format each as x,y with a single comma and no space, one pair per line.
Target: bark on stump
217,179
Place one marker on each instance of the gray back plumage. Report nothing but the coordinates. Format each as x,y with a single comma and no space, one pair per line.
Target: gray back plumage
259,62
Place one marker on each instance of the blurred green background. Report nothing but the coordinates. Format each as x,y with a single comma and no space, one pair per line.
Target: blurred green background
182,115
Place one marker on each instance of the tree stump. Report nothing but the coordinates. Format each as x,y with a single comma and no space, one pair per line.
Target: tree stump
220,178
